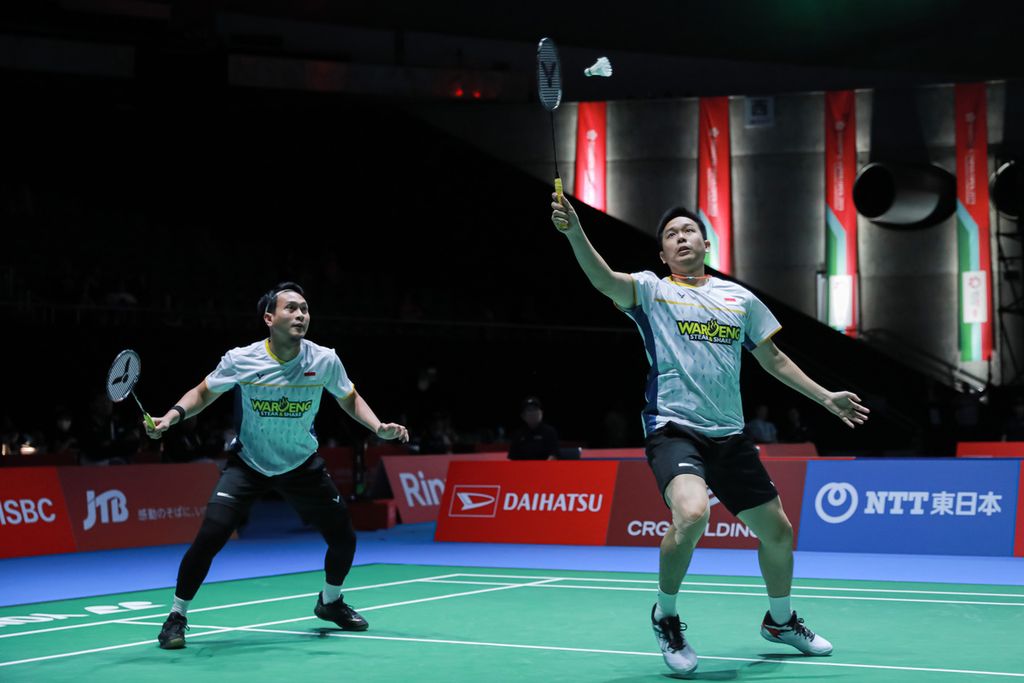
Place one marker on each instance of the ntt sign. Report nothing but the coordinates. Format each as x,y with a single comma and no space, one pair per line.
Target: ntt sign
911,506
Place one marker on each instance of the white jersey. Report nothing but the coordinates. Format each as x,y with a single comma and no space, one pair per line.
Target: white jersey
694,337
275,401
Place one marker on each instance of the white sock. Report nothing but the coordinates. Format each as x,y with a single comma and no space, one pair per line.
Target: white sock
666,605
180,606
780,610
331,593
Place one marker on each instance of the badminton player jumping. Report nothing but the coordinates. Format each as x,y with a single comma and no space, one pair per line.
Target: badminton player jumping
278,383
694,327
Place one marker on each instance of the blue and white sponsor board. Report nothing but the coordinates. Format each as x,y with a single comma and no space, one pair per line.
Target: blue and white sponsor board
919,506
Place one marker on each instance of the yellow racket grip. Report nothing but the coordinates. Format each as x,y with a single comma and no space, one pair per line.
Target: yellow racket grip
149,421
558,189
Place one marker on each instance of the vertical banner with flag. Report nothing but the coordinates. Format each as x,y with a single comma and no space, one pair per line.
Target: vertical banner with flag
590,153
714,185
972,225
840,214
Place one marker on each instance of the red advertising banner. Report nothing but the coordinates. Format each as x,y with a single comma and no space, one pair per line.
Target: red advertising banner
840,213
528,502
714,183
33,517
640,517
339,464
990,449
766,450
591,144
137,505
1018,546
418,482
973,231
804,449
612,453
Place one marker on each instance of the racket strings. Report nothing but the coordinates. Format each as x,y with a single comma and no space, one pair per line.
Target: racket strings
123,375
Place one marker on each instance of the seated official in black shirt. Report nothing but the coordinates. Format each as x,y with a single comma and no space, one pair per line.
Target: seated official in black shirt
536,441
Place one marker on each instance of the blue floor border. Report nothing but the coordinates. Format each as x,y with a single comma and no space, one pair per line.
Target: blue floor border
76,575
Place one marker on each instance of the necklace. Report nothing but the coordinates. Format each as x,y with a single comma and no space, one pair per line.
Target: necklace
692,278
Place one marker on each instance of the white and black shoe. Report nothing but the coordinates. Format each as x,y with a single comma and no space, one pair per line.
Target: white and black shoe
794,633
678,654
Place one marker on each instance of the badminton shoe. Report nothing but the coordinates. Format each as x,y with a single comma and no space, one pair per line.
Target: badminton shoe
678,654
172,635
794,633
341,614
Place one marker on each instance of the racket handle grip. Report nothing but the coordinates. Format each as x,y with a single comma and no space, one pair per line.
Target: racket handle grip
558,189
149,421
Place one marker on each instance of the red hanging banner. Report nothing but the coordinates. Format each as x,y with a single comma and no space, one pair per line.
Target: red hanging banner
973,234
714,186
591,135
840,213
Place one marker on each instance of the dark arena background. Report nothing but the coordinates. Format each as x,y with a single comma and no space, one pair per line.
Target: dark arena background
166,162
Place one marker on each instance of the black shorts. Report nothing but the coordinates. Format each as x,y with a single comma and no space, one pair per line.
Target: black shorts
729,465
308,488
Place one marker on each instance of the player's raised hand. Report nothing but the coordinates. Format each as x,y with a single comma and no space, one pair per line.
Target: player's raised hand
563,215
391,430
847,407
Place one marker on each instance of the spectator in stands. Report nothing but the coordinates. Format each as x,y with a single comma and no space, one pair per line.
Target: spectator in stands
761,429
439,437
9,436
183,445
425,398
103,438
1013,427
537,441
793,429
62,437
616,426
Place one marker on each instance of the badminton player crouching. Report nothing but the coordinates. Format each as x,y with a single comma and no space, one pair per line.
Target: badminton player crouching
278,384
694,327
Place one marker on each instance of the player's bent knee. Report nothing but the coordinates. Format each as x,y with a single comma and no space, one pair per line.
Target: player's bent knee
688,515
780,534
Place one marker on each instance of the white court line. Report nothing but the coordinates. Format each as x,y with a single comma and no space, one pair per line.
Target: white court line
628,652
269,623
218,607
488,583
755,595
649,582
867,598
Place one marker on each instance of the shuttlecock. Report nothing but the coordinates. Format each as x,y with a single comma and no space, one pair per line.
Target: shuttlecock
602,67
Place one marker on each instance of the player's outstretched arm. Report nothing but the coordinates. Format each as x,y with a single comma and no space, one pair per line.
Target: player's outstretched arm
616,286
360,411
843,404
193,402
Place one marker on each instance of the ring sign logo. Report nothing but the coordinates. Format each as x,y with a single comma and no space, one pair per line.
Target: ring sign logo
833,497
923,506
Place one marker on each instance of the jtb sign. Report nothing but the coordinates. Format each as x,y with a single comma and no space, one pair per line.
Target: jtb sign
919,506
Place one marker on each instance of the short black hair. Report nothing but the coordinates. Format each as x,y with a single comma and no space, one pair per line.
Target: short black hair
268,302
681,211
